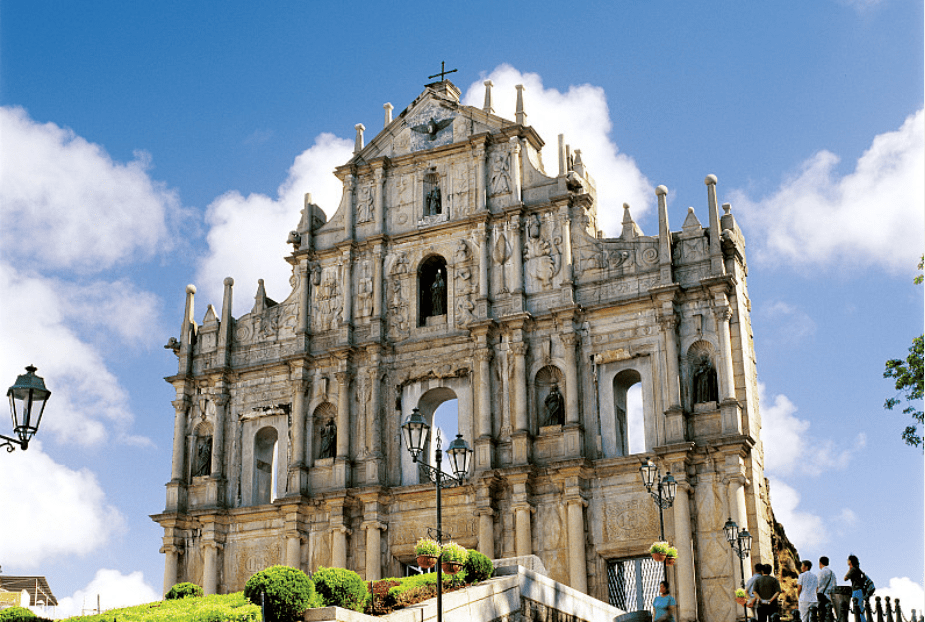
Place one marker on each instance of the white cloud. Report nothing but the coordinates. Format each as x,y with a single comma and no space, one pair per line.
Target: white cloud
789,323
67,205
873,216
88,403
65,512
247,235
114,590
910,594
788,446
804,529
582,115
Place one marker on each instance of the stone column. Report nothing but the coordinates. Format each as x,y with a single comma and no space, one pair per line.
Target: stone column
484,243
177,466
343,415
299,388
347,285
481,198
373,549
523,536
210,551
735,491
171,554
304,318
518,350
515,170
377,281
577,565
517,256
723,314
668,324
294,549
569,341
684,568
379,199
486,532
339,546
483,414
218,435
717,266
373,430
349,183
565,219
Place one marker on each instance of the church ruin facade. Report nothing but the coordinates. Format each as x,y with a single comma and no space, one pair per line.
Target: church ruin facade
457,267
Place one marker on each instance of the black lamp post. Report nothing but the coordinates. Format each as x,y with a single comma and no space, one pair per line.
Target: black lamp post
28,397
741,542
665,490
416,431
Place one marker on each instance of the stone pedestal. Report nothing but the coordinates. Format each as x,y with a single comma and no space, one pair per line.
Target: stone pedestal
520,447
573,437
340,472
484,451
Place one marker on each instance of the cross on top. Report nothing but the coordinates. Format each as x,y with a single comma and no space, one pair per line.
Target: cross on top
442,73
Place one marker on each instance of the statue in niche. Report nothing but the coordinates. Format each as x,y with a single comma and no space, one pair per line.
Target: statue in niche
203,456
328,439
365,204
438,294
432,202
704,381
555,407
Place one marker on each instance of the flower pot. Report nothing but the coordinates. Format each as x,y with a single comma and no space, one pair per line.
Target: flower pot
670,561
451,567
741,600
659,557
427,561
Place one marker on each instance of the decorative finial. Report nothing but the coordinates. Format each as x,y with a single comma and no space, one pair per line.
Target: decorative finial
487,107
388,113
358,146
520,117
661,191
711,179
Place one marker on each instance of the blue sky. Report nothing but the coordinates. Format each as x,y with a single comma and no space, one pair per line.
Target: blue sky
144,146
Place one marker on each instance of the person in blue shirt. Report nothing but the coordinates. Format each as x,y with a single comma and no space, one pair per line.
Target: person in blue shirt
664,605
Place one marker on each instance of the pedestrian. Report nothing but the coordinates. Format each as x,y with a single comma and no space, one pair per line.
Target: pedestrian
806,589
857,583
664,605
825,589
767,589
750,586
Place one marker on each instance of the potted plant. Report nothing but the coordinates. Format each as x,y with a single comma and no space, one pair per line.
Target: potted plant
671,556
741,596
427,551
454,556
659,551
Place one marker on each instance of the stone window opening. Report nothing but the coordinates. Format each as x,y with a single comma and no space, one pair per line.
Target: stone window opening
432,289
630,429
266,466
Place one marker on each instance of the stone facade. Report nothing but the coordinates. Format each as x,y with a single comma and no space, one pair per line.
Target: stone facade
456,267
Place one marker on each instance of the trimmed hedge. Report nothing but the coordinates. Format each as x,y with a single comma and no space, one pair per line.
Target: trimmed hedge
15,614
289,592
183,590
478,567
341,588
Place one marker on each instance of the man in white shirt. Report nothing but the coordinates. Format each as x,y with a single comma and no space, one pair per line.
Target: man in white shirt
806,589
825,589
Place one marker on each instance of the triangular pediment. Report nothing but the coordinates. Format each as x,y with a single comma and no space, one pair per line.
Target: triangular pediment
434,119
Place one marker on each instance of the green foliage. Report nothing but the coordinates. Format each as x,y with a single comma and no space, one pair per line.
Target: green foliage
183,590
908,377
339,587
478,567
216,608
659,547
288,591
415,588
15,614
672,552
427,546
740,593
454,553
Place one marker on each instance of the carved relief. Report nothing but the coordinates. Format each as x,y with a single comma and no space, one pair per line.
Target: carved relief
542,256
635,519
500,165
460,189
365,203
398,307
328,304
250,559
364,291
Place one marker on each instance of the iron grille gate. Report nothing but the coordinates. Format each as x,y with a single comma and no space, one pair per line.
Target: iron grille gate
633,583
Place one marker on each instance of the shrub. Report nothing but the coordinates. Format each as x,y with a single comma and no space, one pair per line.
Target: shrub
341,588
183,590
659,547
672,552
15,614
478,567
740,593
454,553
289,592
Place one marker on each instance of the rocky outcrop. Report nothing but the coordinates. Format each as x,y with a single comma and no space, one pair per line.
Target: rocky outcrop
786,566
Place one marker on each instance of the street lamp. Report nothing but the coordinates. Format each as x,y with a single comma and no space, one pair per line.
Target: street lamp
28,397
416,431
741,542
665,490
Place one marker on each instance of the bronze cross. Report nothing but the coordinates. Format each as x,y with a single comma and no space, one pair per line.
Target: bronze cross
442,73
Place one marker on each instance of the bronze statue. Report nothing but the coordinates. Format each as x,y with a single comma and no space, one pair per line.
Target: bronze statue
203,456
704,381
438,294
555,407
432,202
328,439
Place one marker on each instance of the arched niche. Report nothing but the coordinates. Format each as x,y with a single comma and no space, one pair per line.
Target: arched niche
700,378
546,378
324,436
201,463
432,290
